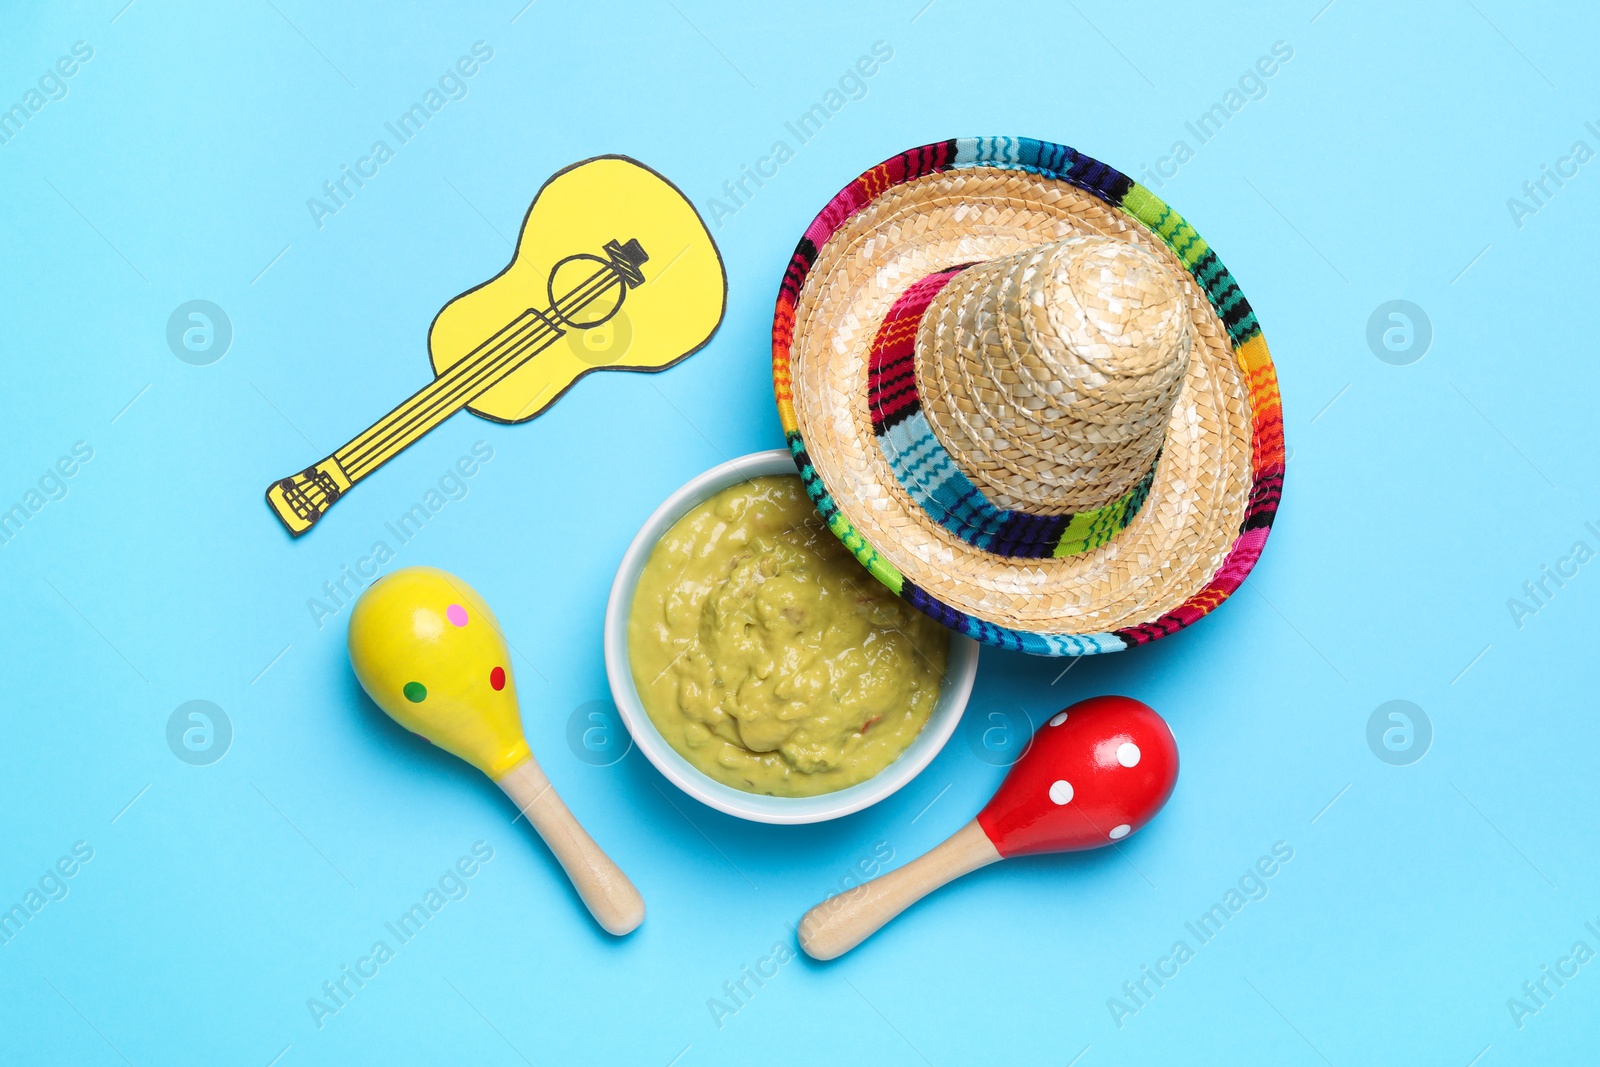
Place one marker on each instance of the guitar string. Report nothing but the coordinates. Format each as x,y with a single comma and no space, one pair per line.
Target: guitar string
511,333
358,464
430,402
440,399
357,452
449,393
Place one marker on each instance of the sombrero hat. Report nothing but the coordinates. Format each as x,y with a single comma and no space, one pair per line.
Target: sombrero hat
1028,396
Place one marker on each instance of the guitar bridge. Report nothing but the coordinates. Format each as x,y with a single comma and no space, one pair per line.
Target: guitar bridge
626,259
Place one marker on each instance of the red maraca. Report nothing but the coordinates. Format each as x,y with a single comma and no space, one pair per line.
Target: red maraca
1092,775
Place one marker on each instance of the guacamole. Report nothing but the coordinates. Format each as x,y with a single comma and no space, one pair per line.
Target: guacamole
768,657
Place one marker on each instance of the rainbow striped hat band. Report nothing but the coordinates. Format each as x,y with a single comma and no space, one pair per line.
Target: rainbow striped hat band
1028,396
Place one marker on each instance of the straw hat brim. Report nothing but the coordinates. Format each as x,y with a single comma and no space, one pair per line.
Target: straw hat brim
1220,475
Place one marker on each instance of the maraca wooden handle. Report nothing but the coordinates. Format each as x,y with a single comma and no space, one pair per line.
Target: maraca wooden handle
840,923
610,896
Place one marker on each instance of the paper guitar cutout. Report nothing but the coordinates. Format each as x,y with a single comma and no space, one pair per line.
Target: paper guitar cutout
602,233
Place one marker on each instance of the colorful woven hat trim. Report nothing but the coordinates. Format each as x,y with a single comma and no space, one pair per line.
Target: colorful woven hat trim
929,473
1060,163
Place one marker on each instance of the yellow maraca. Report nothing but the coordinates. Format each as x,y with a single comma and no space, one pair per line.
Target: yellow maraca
428,651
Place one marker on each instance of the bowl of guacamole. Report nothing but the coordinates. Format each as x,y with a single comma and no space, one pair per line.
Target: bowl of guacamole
760,667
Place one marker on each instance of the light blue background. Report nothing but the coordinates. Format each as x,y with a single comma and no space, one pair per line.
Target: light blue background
1419,499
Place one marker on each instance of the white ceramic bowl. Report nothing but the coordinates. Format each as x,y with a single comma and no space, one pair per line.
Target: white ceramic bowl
961,668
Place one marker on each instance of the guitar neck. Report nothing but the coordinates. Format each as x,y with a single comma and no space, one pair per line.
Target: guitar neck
519,341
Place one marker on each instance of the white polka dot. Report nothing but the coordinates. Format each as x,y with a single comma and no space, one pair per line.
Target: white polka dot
1058,718
1061,792
1128,754
1120,831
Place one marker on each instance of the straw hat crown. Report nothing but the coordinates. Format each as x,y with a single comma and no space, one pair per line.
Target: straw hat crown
1050,375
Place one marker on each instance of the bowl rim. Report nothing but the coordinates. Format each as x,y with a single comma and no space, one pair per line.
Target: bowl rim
961,669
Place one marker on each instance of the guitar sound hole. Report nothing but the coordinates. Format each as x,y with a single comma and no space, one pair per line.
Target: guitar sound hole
585,291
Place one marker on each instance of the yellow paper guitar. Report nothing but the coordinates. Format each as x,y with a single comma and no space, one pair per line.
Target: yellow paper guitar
614,270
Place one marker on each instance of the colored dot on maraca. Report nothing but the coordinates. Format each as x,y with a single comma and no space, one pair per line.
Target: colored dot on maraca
429,652
1092,775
